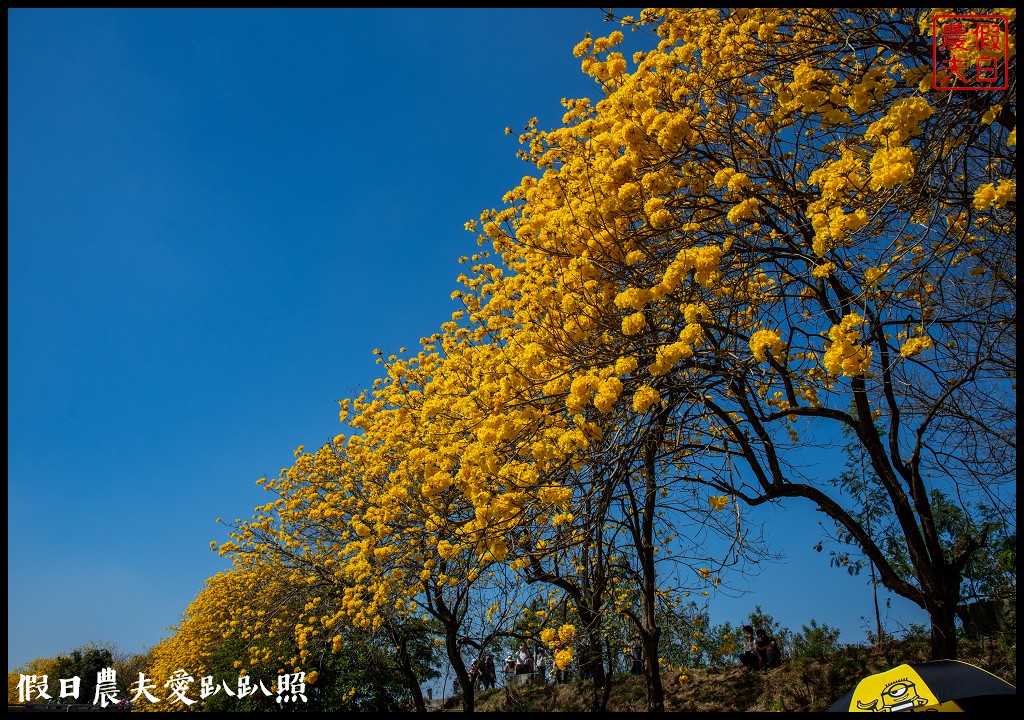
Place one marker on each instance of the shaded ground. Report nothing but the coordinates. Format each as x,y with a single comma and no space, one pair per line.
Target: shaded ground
800,685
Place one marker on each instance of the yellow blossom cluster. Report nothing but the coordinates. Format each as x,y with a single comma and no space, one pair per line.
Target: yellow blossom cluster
989,195
644,398
915,345
764,342
718,502
845,353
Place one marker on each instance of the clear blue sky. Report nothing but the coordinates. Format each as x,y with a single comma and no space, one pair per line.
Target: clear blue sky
213,219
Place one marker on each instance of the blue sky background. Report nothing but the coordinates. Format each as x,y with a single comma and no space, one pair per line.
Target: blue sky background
213,218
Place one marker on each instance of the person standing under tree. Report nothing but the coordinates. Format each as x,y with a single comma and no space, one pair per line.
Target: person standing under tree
636,655
490,673
540,665
524,661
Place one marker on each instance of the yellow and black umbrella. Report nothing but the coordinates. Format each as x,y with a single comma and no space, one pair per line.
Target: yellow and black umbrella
943,685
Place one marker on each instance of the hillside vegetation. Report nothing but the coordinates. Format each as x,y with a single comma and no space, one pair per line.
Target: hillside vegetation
799,685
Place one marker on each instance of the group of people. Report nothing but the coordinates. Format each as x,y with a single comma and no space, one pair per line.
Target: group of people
760,651
525,662
483,674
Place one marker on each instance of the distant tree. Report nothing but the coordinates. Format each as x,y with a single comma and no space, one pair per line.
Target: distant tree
253,622
128,665
40,667
689,640
815,641
86,662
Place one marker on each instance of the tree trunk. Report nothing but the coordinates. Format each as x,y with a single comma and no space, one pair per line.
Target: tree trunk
405,662
941,605
454,651
650,633
652,671
598,679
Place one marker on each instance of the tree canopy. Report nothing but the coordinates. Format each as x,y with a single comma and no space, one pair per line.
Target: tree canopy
769,227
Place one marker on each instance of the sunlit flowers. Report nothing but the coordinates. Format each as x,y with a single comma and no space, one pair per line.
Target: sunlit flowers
644,397
633,324
554,495
989,195
891,167
844,354
563,658
915,345
764,341
718,502
561,519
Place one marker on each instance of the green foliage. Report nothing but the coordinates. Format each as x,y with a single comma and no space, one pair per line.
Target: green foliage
815,641
362,676
689,641
991,570
804,685
916,633
223,671
719,645
85,662
992,573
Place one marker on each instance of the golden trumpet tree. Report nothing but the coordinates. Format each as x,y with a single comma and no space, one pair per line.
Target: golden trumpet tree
764,231
544,473
35,670
253,629
401,518
456,476
240,624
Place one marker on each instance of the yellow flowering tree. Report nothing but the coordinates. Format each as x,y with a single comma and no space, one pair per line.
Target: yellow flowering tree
40,667
595,476
414,514
761,232
768,209
249,626
240,623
